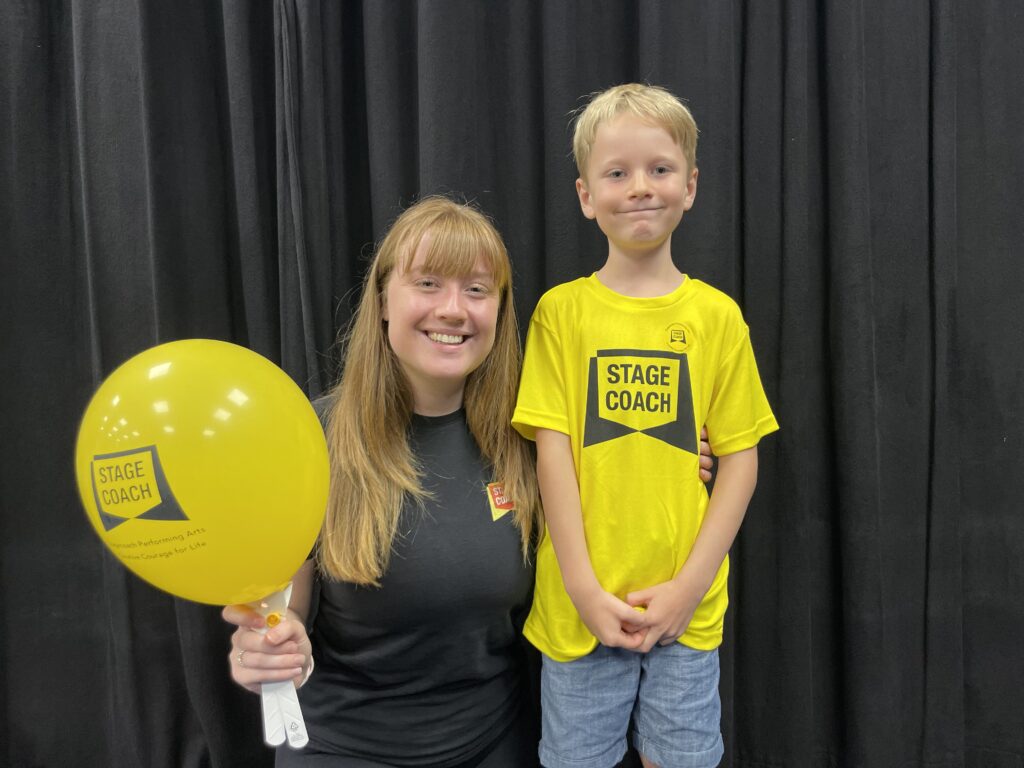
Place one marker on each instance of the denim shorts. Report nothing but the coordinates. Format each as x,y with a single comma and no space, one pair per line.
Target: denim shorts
671,695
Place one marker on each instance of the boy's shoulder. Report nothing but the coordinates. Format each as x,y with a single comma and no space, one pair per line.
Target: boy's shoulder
568,298
563,295
710,292
565,290
714,299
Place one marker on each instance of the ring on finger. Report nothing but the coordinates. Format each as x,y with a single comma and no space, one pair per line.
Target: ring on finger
241,658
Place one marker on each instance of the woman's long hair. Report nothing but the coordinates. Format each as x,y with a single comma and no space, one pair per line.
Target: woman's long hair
373,470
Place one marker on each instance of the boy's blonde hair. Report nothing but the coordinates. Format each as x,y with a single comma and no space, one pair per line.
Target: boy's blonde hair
373,469
647,102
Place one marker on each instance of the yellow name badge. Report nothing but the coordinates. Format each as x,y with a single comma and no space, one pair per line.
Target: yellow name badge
501,504
126,485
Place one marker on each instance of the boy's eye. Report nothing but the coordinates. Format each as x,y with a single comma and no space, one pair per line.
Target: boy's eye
661,170
616,174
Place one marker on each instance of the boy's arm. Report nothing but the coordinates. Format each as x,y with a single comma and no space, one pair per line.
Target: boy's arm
671,604
610,620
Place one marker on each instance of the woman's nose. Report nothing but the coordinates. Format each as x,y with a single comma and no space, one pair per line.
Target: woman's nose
452,304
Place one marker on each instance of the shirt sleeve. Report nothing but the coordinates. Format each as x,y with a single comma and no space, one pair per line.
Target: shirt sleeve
541,403
739,414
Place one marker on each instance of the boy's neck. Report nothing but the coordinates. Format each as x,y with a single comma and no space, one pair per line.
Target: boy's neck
640,274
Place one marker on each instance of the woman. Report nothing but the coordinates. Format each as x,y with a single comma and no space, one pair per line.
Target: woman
422,576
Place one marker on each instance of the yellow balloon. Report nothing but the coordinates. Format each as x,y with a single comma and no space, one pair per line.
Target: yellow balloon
203,468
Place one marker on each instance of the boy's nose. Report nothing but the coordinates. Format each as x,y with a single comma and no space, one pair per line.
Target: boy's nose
638,186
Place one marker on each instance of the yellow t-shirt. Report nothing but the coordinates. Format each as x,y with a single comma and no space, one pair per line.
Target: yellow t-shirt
631,381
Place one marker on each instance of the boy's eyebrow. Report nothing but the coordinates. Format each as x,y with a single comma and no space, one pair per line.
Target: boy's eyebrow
618,159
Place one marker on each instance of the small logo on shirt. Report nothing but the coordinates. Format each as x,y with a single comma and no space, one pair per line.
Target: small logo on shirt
678,337
501,504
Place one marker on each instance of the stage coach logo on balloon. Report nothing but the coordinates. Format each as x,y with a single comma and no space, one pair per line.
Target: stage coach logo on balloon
203,468
131,484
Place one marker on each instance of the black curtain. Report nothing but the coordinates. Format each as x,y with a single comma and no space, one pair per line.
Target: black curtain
205,169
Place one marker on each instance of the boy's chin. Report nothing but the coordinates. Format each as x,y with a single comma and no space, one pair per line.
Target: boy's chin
640,246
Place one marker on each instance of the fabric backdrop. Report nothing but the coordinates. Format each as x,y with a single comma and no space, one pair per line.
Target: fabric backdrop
221,169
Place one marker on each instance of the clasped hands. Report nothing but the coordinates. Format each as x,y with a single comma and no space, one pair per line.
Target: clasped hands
667,609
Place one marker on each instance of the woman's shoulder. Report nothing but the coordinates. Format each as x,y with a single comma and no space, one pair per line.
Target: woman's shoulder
322,406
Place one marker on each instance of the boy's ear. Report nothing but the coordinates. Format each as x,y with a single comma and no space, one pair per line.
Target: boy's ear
584,196
691,189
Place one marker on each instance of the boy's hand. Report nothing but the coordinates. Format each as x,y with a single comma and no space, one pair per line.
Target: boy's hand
610,620
669,607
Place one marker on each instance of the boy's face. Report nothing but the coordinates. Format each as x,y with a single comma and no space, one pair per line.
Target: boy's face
638,184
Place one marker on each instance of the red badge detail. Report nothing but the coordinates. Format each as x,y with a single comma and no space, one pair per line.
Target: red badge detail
498,498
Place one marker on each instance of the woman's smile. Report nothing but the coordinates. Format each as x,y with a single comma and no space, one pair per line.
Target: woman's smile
445,338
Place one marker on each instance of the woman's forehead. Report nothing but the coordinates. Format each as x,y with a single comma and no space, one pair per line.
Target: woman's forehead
449,256
421,265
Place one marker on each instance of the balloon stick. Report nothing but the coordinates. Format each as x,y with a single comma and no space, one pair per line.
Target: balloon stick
282,715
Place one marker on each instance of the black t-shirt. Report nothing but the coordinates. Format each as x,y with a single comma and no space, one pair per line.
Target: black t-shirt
428,668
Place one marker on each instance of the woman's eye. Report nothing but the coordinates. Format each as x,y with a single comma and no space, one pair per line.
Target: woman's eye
480,290
426,282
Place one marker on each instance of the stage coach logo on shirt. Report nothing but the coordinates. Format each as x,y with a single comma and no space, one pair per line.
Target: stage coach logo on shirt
638,390
499,502
678,337
131,485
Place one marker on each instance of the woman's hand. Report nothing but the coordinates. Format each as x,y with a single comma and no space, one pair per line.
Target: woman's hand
283,653
705,457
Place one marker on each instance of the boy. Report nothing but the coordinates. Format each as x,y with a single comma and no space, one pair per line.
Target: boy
620,369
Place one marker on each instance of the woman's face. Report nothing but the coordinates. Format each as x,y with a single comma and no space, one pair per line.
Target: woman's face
440,328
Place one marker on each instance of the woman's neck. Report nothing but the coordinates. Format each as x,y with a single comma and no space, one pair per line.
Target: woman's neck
438,403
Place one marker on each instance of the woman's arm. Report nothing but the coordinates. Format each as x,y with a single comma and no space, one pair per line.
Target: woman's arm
284,652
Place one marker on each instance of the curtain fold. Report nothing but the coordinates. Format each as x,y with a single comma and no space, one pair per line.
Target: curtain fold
944,736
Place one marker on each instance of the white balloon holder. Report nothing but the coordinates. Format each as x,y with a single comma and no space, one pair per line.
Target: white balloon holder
282,715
